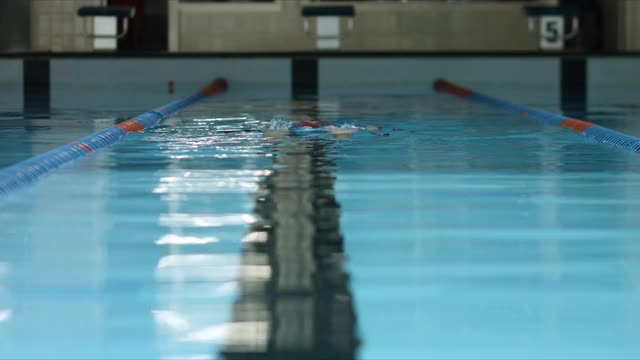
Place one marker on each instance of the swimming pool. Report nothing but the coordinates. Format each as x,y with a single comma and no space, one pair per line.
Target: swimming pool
455,231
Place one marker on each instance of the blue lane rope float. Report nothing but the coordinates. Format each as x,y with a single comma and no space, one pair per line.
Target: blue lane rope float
18,176
591,131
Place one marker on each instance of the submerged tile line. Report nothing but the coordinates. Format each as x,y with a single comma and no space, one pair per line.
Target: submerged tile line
303,308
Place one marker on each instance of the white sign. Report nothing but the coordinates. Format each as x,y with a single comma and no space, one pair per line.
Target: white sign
552,32
105,26
328,32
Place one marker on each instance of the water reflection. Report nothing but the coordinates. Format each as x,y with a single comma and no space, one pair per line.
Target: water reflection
206,209
5,314
297,302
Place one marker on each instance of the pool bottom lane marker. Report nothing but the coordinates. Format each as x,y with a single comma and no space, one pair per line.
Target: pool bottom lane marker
591,131
304,307
22,174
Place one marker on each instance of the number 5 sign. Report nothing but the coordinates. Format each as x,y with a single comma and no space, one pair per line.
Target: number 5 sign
552,32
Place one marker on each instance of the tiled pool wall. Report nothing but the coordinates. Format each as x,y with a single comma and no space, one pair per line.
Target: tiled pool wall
91,81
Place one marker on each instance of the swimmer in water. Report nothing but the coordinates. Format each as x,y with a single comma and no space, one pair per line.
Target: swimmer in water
279,123
280,126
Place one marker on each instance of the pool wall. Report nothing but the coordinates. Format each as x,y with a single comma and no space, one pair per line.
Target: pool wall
148,77
90,80
11,83
605,73
406,75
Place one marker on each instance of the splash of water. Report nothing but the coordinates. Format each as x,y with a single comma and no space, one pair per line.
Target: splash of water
280,122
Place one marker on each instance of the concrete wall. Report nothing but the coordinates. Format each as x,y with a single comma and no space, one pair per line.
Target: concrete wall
56,27
397,26
52,25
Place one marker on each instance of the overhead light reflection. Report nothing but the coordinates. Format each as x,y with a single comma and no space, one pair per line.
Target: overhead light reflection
204,220
181,268
215,333
5,314
170,319
255,237
172,239
243,335
209,181
209,267
4,268
209,186
191,260
227,289
222,119
209,173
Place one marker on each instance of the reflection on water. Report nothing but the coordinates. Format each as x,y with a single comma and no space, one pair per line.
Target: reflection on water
303,309
470,234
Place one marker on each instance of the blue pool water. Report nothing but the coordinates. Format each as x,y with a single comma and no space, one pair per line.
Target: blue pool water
453,232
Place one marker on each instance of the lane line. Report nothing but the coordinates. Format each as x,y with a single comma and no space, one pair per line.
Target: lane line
24,173
591,131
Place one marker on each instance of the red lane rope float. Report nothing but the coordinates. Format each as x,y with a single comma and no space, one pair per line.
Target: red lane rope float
591,131
85,147
20,175
130,126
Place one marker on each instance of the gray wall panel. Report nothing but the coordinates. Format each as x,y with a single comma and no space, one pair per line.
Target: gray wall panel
614,80
11,84
100,82
513,79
